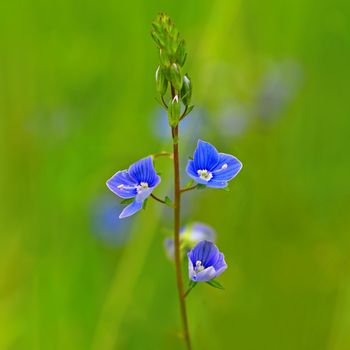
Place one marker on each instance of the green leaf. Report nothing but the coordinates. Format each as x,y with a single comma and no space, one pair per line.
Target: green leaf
169,202
215,284
189,184
127,201
161,103
189,110
144,204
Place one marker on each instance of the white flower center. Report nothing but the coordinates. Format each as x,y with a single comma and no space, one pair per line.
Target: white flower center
199,267
205,174
142,186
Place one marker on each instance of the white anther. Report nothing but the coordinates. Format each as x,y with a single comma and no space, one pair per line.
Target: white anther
205,174
141,186
199,266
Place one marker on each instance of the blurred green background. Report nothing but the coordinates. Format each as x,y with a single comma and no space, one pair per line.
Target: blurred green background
77,104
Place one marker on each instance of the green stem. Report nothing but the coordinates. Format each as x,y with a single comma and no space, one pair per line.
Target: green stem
189,290
157,199
188,188
177,255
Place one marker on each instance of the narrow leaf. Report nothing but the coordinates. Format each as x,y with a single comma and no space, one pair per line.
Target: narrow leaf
144,204
215,284
161,103
189,110
189,184
169,202
127,201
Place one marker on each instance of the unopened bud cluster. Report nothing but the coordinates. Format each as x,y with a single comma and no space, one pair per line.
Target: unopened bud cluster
169,76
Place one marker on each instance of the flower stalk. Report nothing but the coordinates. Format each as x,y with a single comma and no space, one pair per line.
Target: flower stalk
177,255
207,168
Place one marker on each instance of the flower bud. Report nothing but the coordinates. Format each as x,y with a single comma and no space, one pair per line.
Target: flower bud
181,53
175,76
161,81
163,57
186,91
174,111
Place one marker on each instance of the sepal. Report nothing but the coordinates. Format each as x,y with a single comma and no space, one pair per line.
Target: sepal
186,91
175,76
174,112
215,284
161,81
181,53
127,201
168,202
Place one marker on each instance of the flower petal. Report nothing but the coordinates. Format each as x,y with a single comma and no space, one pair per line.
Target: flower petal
143,194
191,170
206,252
216,184
220,266
206,275
143,171
205,156
227,167
169,247
131,209
127,185
191,272
200,232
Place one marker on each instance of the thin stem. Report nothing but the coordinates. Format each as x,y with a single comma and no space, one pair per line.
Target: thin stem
188,188
177,256
189,290
157,199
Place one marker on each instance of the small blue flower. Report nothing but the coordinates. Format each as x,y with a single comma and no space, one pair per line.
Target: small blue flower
211,168
205,262
137,182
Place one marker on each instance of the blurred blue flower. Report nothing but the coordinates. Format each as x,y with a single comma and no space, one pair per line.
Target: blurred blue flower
205,262
190,235
232,120
104,222
211,168
278,88
137,182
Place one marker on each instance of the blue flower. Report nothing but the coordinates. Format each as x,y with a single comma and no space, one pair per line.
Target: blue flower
137,182
211,168
205,262
190,235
